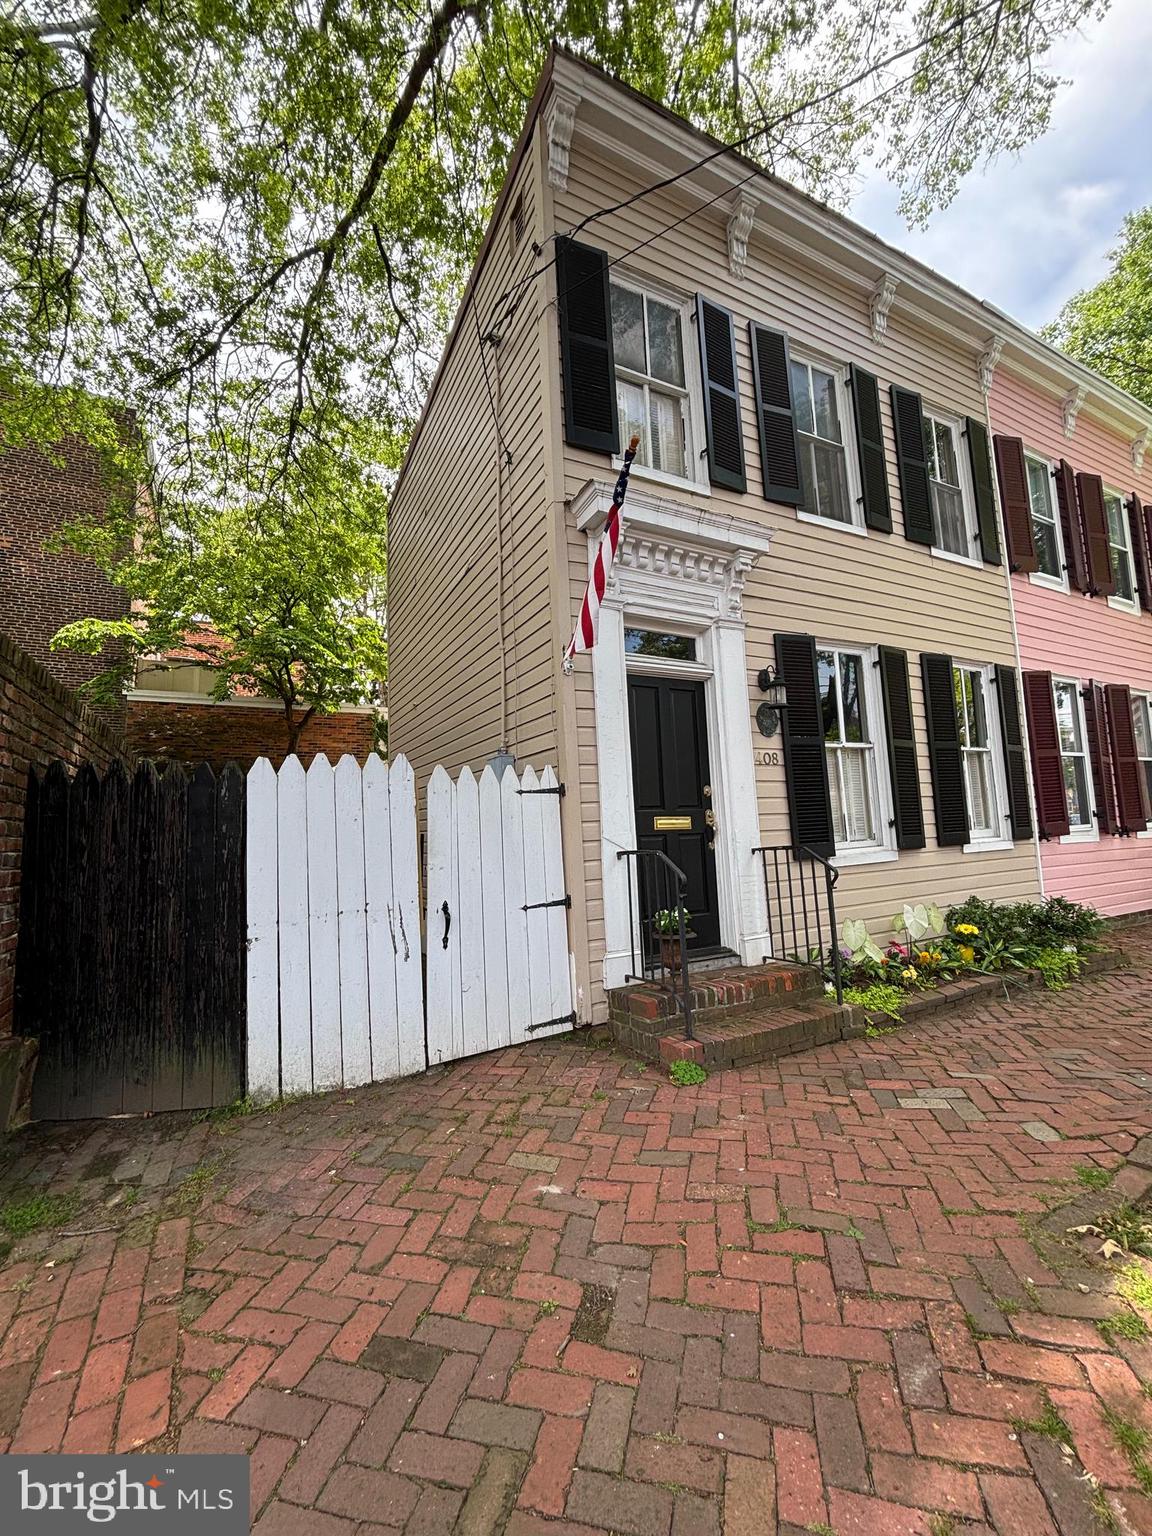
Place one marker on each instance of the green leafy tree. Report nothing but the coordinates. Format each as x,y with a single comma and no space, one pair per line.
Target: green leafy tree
1109,327
271,590
248,221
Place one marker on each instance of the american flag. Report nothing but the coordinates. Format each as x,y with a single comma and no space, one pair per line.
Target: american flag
584,635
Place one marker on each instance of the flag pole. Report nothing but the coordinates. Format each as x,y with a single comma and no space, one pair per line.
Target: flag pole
584,635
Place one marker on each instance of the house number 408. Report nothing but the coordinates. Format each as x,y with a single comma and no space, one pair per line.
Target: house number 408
768,759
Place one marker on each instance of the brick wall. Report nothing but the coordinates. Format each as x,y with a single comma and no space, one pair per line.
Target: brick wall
223,733
40,720
40,592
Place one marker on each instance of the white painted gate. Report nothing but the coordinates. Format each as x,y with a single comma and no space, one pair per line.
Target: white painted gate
499,969
335,996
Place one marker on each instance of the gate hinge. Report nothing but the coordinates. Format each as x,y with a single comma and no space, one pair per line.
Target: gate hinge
550,789
534,906
565,1018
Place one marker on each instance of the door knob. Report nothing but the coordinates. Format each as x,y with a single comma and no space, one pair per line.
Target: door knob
710,818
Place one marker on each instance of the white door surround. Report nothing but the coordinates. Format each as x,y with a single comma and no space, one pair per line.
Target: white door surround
683,569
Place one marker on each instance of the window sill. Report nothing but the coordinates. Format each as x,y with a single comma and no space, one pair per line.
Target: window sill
830,522
1146,833
946,554
658,477
1124,605
989,845
1082,835
853,856
1053,583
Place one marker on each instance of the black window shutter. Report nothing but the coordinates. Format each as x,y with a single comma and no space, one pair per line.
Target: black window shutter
870,452
1068,502
779,452
1012,738
805,762
1141,555
585,308
1047,764
944,752
721,395
987,524
901,734
912,461
1019,534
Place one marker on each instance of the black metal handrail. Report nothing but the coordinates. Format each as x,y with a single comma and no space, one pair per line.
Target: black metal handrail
660,886
792,889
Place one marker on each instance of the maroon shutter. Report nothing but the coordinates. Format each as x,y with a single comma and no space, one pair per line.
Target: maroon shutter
1148,528
1100,756
1101,582
1047,766
1140,550
1017,509
1132,811
1075,560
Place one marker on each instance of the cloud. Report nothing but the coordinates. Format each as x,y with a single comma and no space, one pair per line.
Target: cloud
1033,229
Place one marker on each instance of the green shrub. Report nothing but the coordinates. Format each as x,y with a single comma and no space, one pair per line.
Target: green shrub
1058,967
685,1073
1035,925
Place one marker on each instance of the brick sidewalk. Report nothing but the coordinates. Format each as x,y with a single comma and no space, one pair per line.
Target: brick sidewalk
547,1293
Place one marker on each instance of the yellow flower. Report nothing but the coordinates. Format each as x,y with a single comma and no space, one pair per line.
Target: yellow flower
924,957
968,929
909,973
967,954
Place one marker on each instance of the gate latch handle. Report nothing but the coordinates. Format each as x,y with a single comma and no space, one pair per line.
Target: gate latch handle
447,923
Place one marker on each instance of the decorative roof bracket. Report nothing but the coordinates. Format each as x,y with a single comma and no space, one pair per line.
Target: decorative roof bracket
1071,405
880,303
740,223
1140,448
560,122
988,360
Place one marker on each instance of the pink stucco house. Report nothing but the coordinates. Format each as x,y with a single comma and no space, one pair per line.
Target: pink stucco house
1076,499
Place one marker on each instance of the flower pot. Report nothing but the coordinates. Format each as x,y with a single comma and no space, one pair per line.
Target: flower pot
670,949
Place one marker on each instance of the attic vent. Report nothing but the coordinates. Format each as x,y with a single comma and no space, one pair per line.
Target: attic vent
518,222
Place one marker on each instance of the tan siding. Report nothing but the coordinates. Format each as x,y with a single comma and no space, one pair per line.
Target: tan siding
836,585
444,619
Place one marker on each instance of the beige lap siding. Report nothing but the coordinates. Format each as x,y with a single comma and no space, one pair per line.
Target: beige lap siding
835,585
445,620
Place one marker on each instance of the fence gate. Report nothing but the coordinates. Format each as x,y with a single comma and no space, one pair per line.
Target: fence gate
130,958
335,996
497,921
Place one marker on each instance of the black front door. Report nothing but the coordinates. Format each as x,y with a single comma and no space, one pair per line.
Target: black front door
671,783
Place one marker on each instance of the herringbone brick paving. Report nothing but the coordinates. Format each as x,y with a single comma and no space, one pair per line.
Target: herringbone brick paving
548,1293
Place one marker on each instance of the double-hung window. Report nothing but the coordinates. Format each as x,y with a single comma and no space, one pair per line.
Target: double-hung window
949,511
1120,548
981,790
818,409
1142,724
1073,754
850,746
1045,526
652,379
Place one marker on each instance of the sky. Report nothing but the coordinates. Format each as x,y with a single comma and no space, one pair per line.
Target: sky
1034,229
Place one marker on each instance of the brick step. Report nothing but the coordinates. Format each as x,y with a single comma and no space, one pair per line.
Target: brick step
739,1040
716,995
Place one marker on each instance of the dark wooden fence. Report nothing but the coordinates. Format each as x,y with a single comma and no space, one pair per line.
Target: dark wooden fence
130,958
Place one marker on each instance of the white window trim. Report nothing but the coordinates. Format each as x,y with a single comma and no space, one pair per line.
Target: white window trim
844,409
696,446
967,491
1042,578
996,843
1122,604
884,850
1090,833
1146,697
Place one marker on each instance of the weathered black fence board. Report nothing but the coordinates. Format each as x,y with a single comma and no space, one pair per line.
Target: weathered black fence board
130,957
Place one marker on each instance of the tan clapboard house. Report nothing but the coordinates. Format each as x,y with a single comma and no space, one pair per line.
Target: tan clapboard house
812,507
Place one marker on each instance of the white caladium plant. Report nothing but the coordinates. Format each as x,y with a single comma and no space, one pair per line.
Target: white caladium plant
855,936
920,921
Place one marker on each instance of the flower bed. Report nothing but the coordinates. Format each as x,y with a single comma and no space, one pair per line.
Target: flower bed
1049,938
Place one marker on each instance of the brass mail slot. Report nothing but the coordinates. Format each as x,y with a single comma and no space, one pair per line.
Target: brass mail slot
671,823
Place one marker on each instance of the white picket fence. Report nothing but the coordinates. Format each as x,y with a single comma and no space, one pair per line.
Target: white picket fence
499,969
335,985
335,993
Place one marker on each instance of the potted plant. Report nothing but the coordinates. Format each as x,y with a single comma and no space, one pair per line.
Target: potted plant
666,926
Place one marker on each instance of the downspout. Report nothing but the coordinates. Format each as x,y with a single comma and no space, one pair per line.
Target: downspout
988,364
